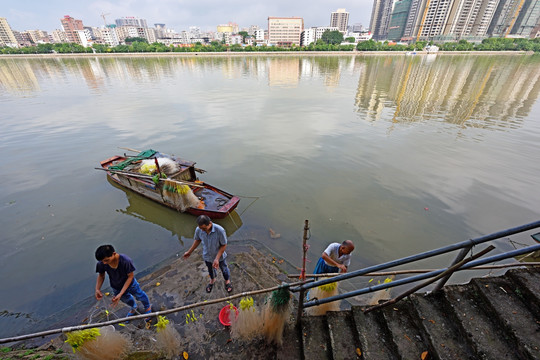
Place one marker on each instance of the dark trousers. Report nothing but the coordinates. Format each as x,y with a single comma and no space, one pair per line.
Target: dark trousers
224,269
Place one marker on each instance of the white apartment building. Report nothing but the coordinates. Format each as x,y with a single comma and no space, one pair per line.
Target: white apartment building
194,32
284,31
7,38
235,39
85,37
252,29
38,36
109,36
319,31
124,32
260,35
59,36
308,36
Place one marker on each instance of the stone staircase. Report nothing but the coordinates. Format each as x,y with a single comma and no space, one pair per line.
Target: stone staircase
488,318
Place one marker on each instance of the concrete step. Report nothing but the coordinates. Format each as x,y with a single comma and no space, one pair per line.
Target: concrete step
485,334
292,347
410,341
512,313
343,337
315,338
441,327
527,287
373,335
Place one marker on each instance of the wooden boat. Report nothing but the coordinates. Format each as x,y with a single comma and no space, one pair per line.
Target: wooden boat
172,189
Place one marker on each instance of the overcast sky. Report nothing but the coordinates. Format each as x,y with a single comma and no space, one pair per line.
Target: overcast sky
178,14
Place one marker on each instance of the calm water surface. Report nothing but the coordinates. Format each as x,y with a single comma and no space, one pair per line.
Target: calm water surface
399,154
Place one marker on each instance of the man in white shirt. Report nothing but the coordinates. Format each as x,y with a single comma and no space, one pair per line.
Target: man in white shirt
336,258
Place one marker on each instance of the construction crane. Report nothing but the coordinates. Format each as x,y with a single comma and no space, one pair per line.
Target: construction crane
104,20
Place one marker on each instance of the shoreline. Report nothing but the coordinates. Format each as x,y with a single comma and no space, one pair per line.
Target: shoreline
264,53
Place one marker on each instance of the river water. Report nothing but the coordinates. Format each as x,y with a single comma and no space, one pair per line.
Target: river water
400,154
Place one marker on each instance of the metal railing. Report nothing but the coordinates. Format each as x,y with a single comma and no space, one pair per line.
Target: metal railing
466,246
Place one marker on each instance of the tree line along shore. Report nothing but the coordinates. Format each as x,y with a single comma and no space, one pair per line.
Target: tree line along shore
140,46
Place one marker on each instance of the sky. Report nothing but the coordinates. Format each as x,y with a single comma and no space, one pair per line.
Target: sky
178,14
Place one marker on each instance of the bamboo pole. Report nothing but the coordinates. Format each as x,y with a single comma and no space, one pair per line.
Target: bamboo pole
421,271
303,274
129,149
143,316
148,177
442,275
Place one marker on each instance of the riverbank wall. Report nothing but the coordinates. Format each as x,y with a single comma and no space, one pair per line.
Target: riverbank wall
266,54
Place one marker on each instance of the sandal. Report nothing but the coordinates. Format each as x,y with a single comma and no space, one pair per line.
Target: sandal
148,312
228,287
131,312
209,288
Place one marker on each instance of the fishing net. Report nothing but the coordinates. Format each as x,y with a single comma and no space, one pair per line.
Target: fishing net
247,325
166,165
275,315
180,196
167,338
99,344
322,292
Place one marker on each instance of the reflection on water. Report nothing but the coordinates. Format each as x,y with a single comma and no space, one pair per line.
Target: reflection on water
400,154
472,91
180,225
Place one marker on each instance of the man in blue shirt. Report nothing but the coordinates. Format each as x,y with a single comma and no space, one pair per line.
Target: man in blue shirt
214,241
121,276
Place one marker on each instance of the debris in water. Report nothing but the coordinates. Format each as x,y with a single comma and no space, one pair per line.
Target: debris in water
273,234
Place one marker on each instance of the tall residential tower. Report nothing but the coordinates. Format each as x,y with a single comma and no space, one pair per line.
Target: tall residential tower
340,19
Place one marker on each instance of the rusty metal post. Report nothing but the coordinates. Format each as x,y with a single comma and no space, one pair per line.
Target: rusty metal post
302,274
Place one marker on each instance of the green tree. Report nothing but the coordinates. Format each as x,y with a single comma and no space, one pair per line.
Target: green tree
369,45
332,37
244,35
130,40
350,39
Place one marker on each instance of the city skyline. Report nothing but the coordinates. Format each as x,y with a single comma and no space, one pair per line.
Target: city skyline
178,15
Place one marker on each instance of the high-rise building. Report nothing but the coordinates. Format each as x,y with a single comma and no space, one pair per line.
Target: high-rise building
71,26
380,18
131,21
340,19
434,19
398,19
285,31
416,11
528,19
468,19
7,38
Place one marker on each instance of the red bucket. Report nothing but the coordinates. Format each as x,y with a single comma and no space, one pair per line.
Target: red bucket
224,315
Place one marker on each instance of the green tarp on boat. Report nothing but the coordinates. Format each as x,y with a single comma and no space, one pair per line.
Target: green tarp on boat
141,156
